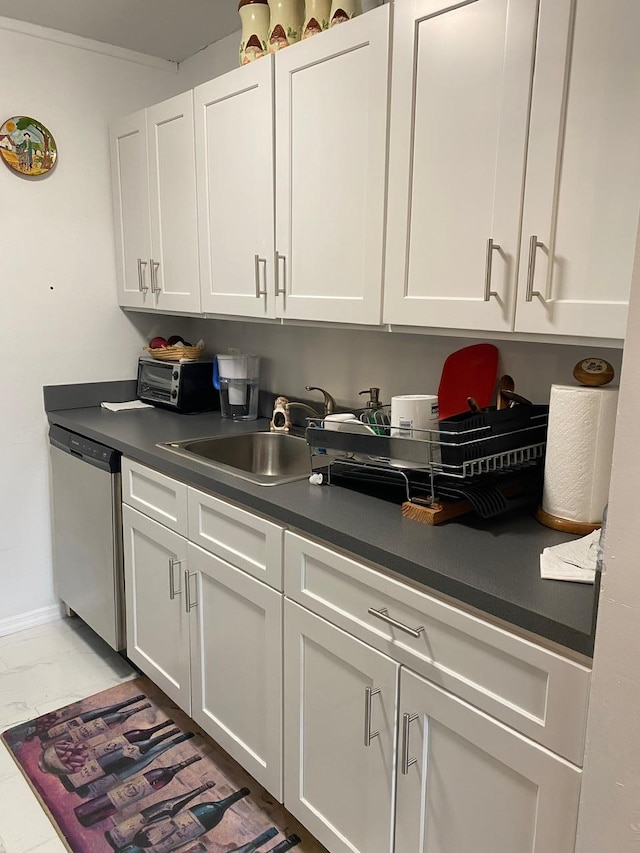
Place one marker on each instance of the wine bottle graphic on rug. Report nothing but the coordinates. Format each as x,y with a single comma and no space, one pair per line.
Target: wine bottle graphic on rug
68,726
168,835
131,791
252,846
287,844
106,783
114,763
41,725
122,833
65,756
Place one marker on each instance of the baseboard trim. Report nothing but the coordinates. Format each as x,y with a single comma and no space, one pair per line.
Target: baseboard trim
13,624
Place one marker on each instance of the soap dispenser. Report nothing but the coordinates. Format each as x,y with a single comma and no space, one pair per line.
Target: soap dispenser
373,403
372,414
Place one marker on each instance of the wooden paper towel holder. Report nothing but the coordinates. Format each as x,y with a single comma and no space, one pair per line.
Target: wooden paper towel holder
565,524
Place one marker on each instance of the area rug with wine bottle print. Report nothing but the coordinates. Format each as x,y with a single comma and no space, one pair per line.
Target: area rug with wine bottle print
126,770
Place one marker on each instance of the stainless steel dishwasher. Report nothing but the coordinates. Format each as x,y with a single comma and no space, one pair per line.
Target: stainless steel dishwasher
87,532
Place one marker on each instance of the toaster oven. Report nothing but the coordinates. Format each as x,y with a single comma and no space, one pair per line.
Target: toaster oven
182,386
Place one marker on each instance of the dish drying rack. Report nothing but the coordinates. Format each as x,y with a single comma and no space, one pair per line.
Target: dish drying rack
485,462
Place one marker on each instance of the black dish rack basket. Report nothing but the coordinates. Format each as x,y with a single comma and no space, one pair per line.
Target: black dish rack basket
476,435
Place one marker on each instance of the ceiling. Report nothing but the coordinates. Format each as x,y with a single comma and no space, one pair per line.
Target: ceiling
170,29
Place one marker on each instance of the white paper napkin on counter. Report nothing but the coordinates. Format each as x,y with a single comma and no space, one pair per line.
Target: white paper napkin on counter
126,407
571,561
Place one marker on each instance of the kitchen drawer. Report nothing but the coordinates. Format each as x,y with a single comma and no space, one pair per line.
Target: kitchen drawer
536,691
245,540
155,494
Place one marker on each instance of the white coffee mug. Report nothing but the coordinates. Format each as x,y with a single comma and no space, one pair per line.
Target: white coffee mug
415,416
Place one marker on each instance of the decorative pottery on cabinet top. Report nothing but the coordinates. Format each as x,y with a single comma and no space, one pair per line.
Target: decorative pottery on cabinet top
27,147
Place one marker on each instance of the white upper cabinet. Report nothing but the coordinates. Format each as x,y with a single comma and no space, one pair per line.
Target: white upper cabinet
154,192
459,109
582,196
331,126
504,110
234,144
173,265
130,180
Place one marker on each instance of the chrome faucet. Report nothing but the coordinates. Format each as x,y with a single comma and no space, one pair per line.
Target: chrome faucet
329,402
281,420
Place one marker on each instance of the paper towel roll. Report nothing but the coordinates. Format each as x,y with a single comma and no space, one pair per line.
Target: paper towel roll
579,449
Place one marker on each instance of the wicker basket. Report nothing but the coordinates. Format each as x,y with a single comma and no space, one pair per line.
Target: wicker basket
175,353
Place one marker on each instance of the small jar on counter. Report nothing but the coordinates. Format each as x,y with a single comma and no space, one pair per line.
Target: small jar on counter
254,15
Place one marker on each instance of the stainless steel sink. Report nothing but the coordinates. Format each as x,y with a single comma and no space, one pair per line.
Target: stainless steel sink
265,458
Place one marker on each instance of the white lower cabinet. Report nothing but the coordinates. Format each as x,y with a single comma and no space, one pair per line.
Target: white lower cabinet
357,700
468,783
236,664
208,634
340,706
446,772
157,621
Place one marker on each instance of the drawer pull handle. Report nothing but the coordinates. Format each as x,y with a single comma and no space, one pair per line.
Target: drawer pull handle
172,582
368,734
383,614
407,762
188,603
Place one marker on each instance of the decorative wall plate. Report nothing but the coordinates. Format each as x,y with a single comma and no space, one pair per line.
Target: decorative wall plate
27,146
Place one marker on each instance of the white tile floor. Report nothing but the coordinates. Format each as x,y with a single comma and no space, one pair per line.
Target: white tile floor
43,669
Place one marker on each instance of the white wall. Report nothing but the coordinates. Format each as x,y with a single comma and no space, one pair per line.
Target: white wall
59,321
610,805
210,62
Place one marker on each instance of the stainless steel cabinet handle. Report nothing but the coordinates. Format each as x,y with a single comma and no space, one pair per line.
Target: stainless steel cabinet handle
155,287
280,290
172,583
491,248
189,605
261,291
534,245
407,762
368,734
142,274
383,614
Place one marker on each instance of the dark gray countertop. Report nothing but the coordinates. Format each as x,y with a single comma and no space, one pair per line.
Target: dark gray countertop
492,566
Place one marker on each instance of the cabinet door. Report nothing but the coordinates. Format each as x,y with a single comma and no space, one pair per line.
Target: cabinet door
234,146
237,665
173,262
582,195
130,180
331,126
459,110
157,620
473,784
339,787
